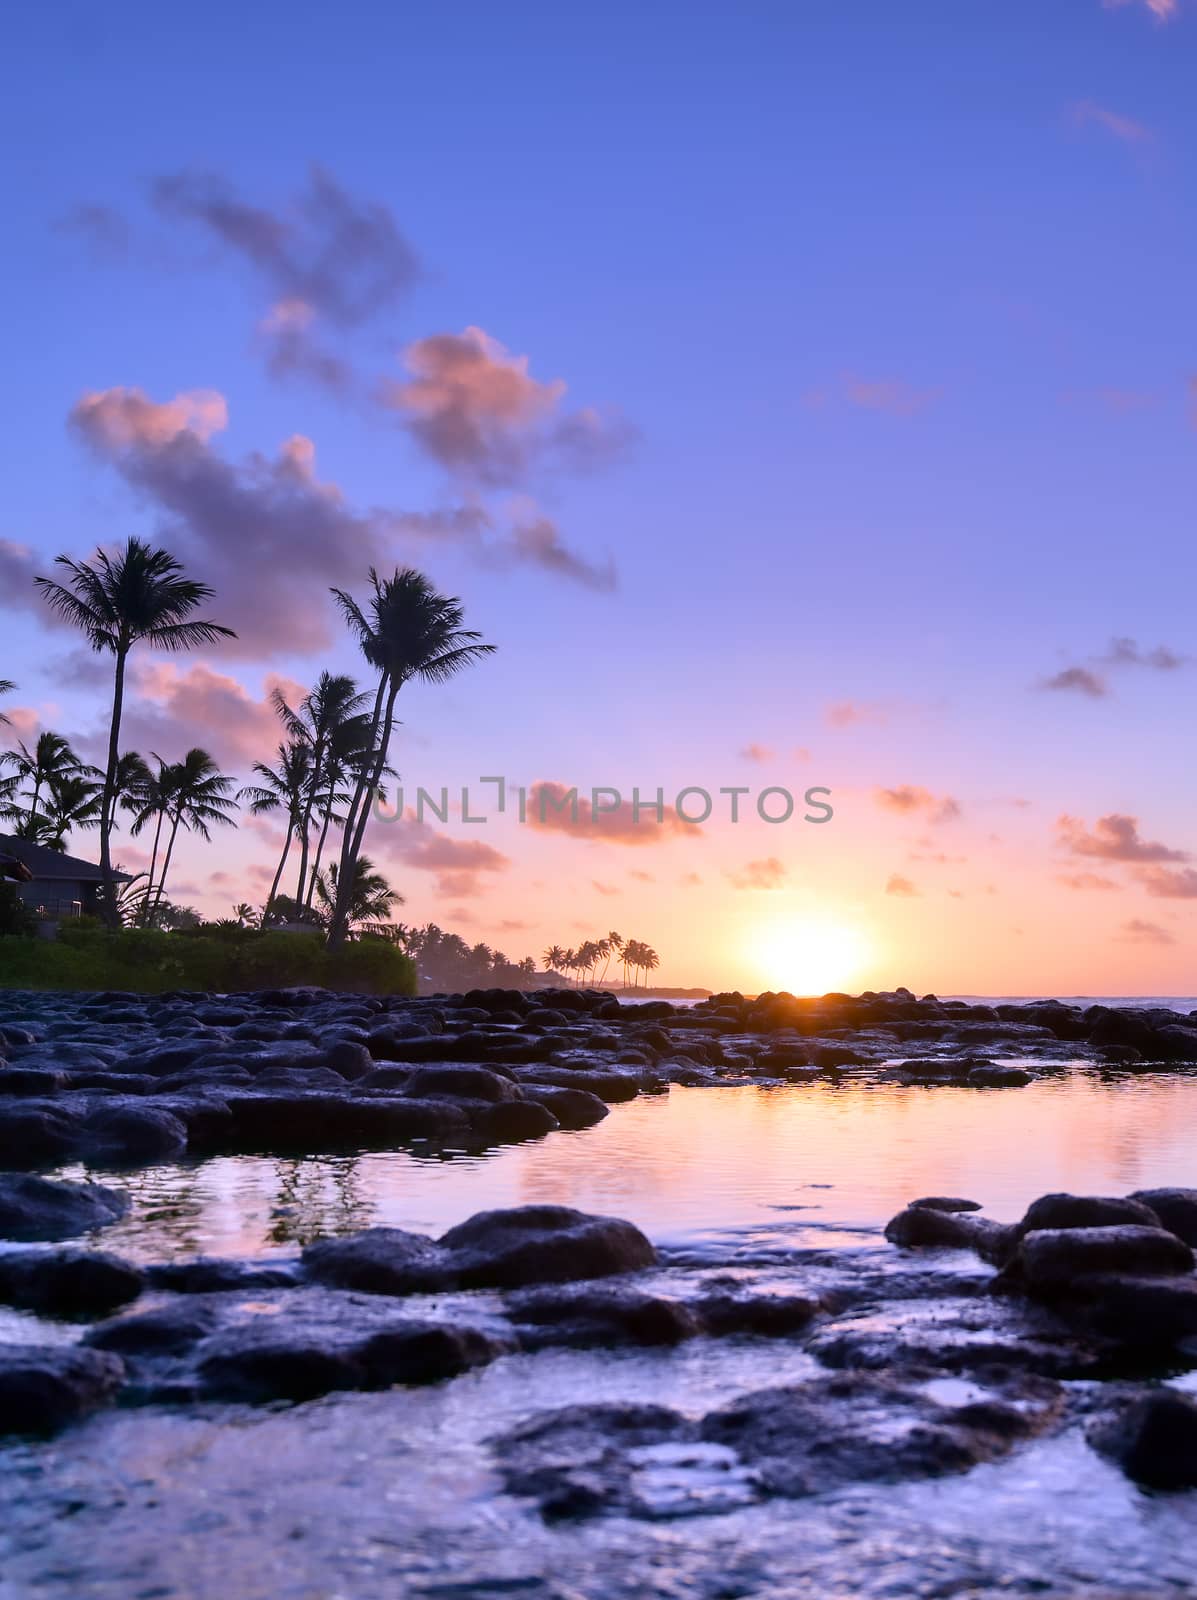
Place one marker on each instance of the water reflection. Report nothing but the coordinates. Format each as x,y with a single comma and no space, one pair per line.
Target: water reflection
702,1160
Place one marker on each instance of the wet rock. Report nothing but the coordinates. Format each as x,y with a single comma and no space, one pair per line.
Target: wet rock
769,1316
43,1388
349,1059
167,1330
939,1202
213,1274
1157,1313
599,1315
999,1077
67,1283
31,1080
543,1244
38,1208
459,1081
575,1462
380,1261
573,1108
513,1120
922,1226
134,1132
611,1087
36,1134
1049,1261
1153,1440
1052,1211
1175,1208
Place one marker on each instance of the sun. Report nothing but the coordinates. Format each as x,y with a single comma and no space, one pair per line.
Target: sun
807,955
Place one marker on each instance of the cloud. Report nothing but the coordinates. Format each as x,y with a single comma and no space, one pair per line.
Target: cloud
689,880
1165,884
550,809
767,873
293,350
1161,10
641,877
604,888
267,533
18,568
855,713
172,706
890,395
1082,881
758,752
1087,113
346,258
459,865
1125,652
911,800
539,543
901,887
1114,838
23,722
1139,931
475,409
1079,680
103,229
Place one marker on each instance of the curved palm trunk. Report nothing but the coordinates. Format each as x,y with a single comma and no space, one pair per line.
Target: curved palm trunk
143,915
282,862
355,830
305,824
174,830
311,887
107,805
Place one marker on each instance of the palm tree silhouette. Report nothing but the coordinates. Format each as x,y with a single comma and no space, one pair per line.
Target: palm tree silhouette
50,759
6,687
140,595
284,787
73,801
200,800
407,630
370,900
314,723
156,799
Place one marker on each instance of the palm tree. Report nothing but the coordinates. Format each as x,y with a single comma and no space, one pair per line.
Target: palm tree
73,802
139,595
612,946
244,914
133,778
370,900
348,752
283,787
649,960
408,630
321,713
553,958
6,687
200,801
50,760
155,801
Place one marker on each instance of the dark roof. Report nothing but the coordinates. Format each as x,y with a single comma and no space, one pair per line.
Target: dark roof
50,864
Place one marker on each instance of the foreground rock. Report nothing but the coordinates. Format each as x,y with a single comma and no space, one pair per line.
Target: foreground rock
1153,1439
35,1208
67,1283
44,1388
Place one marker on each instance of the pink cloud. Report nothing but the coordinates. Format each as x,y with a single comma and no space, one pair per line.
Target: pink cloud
1114,838
901,887
1165,884
1086,113
1139,931
911,800
1080,680
550,809
459,865
1161,10
766,873
890,395
758,752
172,705
1083,881
855,713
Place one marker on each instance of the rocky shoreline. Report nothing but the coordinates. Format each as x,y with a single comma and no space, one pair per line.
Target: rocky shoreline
959,1346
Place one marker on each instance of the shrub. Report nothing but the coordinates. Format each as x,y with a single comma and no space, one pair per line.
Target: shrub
148,961
15,916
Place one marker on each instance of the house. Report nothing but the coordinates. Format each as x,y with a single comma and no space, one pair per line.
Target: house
51,884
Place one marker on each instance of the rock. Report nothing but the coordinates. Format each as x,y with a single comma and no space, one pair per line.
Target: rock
459,1081
1053,1211
938,1202
212,1274
769,1316
513,1120
921,1226
543,1244
602,1315
1157,1313
67,1282
380,1261
42,1388
573,1108
40,1208
1175,1208
1153,1440
167,1330
36,1134
576,1462
999,1077
348,1058
134,1132
1051,1260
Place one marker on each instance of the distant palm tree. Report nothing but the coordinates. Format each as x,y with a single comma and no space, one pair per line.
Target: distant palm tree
155,801
50,760
200,801
370,900
321,713
348,753
139,595
407,630
284,787
6,687
73,801
554,958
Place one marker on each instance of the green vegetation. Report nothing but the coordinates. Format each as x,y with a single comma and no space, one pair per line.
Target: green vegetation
223,957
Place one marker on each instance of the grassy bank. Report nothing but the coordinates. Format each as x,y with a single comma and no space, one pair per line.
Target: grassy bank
149,962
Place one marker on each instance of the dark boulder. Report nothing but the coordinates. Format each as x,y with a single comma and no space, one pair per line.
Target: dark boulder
543,1244
940,1202
1153,1440
379,1261
38,1208
43,1388
922,1226
1050,1261
130,1131
573,1108
214,1274
512,1120
166,1330
602,1315
1085,1211
459,1081
1175,1208
67,1283
36,1133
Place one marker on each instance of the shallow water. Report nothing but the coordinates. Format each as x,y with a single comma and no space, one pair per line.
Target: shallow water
697,1163
394,1494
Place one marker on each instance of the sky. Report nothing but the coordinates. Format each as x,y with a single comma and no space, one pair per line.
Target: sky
799,395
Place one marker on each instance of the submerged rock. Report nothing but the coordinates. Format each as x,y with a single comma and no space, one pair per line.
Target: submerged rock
380,1261
67,1282
40,1208
42,1388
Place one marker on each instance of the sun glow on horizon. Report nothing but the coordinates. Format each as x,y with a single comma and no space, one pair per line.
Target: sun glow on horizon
808,955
